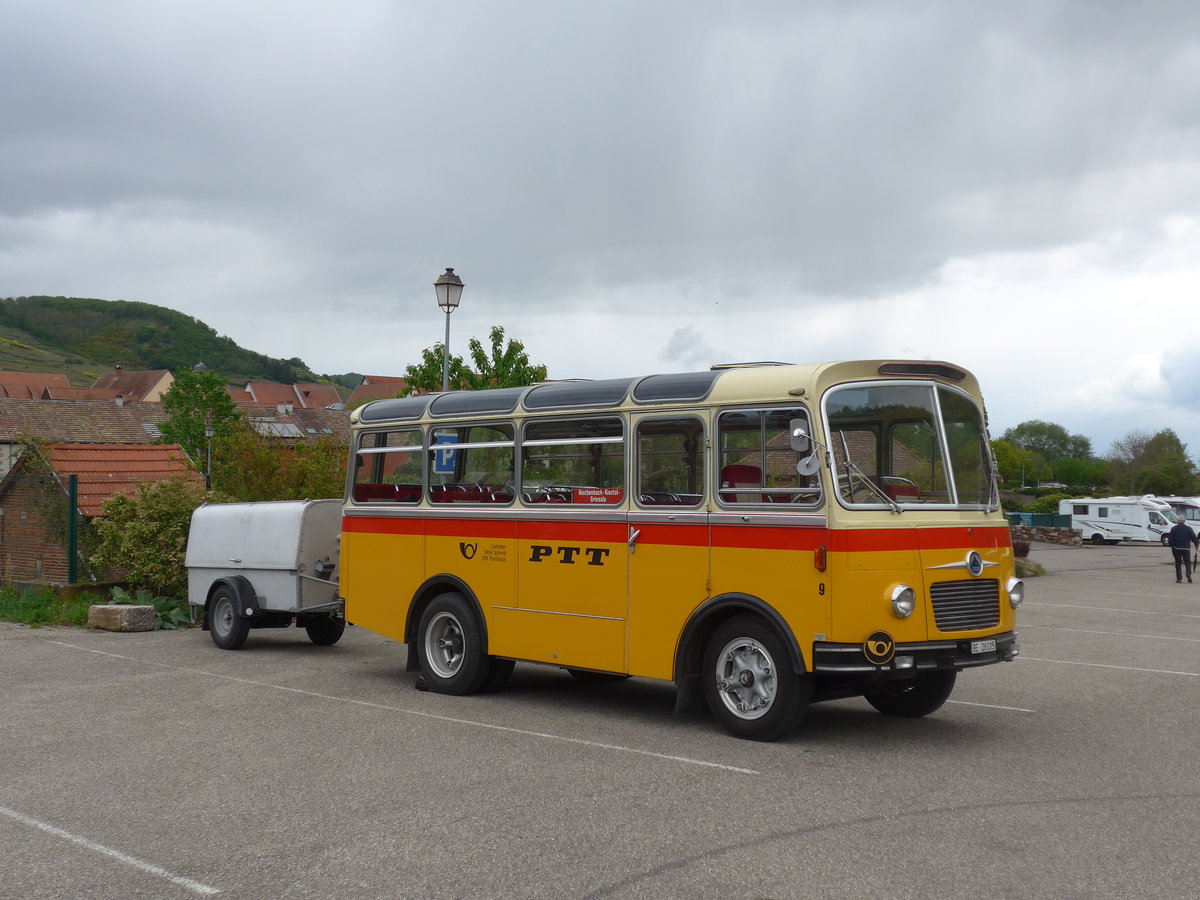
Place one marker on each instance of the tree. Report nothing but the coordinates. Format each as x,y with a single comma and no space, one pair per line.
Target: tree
146,534
1050,440
197,400
426,376
1017,466
508,366
250,466
1152,463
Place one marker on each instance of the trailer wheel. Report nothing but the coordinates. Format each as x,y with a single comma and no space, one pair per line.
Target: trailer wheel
325,631
913,699
227,628
751,689
1098,539
450,647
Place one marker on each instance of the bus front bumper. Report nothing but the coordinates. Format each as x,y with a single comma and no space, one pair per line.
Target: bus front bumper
920,656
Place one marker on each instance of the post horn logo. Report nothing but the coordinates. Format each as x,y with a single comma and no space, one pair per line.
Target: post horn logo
467,550
879,648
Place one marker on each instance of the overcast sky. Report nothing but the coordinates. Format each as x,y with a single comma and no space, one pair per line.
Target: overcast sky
633,187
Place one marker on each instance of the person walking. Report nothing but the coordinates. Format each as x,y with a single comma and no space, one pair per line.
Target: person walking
1182,539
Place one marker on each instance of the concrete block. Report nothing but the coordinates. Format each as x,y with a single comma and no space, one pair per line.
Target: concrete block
121,618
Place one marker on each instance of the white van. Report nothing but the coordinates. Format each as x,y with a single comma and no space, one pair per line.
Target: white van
1112,520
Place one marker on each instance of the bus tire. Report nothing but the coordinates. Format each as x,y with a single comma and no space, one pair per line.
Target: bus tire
226,626
914,698
752,691
450,646
325,631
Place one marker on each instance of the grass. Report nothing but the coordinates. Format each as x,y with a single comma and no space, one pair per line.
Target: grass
44,606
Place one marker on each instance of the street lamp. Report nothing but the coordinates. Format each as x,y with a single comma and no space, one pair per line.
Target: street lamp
449,289
208,436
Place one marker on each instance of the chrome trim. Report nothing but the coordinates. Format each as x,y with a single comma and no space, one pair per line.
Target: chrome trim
796,520
483,511
553,612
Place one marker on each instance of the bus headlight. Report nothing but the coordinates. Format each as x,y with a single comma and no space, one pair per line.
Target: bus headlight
904,600
1016,592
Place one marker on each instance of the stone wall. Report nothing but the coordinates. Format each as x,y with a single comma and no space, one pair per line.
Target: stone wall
1063,536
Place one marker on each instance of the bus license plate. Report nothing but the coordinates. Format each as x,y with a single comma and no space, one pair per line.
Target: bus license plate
988,646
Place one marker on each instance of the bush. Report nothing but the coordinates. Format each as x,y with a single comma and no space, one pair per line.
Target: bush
1021,549
146,535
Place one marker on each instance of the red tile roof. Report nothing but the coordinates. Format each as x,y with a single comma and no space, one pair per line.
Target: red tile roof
95,421
72,393
104,469
376,387
150,385
28,385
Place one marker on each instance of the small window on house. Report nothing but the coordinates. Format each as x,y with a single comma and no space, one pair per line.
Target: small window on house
387,467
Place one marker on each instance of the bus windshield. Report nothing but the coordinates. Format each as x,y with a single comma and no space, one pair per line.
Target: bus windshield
900,444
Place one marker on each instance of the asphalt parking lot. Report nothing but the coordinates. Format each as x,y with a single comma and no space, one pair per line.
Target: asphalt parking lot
155,765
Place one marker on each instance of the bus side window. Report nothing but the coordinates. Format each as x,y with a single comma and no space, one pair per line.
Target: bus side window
387,467
757,459
670,462
574,461
471,464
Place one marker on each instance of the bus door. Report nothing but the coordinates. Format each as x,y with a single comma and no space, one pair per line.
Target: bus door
571,545
668,536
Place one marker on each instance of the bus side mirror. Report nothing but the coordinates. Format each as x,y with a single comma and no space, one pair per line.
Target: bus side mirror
801,442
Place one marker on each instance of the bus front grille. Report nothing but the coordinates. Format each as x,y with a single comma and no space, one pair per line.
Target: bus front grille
966,605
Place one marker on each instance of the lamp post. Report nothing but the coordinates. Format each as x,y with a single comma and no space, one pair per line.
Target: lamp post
208,436
449,289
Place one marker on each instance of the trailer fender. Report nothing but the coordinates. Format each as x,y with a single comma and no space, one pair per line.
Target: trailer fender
244,596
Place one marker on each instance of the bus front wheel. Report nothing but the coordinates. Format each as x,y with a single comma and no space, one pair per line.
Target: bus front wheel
450,647
913,699
750,688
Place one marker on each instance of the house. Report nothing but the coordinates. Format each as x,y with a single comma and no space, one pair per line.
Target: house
29,385
75,421
147,387
301,395
376,387
34,493
294,425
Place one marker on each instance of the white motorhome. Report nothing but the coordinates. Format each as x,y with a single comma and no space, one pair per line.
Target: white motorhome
1187,507
1112,520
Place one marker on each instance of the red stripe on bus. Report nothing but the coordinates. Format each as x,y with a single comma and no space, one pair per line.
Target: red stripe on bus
727,537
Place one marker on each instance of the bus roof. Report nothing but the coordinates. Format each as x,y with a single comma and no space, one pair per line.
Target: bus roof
756,382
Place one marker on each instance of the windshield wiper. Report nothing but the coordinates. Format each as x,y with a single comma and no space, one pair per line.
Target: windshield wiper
854,470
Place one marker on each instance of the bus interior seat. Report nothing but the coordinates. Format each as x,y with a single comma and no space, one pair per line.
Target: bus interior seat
741,476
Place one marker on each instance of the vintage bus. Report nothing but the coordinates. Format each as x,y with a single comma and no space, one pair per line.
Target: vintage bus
763,535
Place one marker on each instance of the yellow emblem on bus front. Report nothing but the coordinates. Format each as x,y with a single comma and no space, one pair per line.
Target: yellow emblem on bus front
879,648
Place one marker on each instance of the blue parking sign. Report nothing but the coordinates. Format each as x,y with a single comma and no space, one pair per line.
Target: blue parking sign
444,460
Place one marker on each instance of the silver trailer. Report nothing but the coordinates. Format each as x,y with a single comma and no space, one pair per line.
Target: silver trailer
266,565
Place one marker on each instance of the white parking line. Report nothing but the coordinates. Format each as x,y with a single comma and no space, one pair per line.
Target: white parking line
1153,637
992,706
1071,662
412,712
194,886
1140,612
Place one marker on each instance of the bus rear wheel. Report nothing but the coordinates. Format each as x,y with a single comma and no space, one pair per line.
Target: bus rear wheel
450,647
750,688
915,698
325,631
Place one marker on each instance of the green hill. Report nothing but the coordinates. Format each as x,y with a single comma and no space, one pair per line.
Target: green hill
86,338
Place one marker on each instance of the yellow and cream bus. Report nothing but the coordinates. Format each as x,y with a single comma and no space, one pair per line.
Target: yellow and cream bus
765,535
